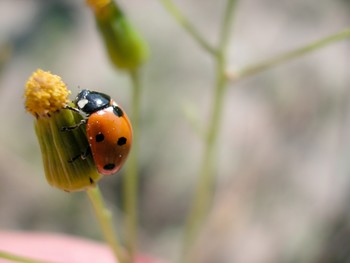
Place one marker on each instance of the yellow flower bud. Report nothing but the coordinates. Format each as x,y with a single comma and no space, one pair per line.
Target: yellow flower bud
126,48
98,5
46,95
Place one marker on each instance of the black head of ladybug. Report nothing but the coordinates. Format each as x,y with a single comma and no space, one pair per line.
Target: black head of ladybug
91,101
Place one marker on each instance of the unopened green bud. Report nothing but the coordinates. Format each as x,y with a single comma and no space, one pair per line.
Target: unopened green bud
46,96
126,48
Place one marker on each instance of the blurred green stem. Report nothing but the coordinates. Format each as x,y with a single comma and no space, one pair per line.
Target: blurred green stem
130,189
205,187
279,59
20,259
204,190
188,26
104,217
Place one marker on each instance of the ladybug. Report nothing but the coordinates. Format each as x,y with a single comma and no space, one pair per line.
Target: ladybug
108,130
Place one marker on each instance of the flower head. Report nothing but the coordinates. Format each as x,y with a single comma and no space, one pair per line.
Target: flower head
45,93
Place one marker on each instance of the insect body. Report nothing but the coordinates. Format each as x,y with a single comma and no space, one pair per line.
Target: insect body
108,130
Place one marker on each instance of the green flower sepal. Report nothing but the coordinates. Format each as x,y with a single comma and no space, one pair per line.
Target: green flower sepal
59,148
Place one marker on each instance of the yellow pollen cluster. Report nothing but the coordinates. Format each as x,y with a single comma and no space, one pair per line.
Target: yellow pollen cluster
45,93
97,5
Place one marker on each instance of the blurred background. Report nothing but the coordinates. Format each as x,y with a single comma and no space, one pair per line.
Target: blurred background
283,182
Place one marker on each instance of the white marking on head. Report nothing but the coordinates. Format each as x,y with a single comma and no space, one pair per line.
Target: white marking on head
115,104
81,103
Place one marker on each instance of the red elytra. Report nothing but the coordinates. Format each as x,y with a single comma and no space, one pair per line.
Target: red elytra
110,138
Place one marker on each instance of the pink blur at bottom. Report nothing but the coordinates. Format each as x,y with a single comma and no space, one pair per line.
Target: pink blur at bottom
59,248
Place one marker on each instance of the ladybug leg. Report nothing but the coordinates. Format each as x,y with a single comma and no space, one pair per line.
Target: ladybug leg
74,158
82,155
86,154
73,109
69,128
83,121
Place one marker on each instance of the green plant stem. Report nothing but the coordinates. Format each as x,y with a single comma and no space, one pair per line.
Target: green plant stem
205,187
15,258
226,29
104,217
188,26
130,189
279,59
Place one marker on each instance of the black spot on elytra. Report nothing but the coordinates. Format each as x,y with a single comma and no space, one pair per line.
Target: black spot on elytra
118,111
121,141
100,137
109,166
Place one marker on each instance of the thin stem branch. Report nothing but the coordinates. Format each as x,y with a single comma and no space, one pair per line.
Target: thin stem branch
20,259
279,59
130,189
205,187
226,26
188,26
104,217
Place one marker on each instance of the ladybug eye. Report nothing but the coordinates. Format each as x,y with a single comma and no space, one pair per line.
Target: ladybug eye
118,111
121,141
